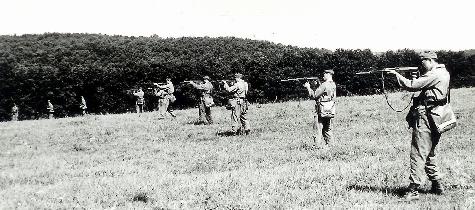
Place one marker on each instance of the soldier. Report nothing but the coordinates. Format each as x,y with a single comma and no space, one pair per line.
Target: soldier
206,100
14,112
324,97
140,100
434,87
83,105
165,98
50,109
238,104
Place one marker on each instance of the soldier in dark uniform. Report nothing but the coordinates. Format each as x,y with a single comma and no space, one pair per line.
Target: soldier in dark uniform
206,100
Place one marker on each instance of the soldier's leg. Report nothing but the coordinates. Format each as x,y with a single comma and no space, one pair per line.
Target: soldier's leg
201,111
137,108
245,122
431,167
235,117
327,130
169,107
317,129
420,148
208,115
161,108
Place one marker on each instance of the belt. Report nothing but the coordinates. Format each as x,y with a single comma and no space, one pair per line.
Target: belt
433,103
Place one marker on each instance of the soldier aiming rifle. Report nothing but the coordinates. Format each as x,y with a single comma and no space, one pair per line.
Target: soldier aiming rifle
206,100
324,96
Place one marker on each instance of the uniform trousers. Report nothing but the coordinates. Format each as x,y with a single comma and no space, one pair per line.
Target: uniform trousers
424,141
139,108
323,127
238,116
204,113
15,117
163,104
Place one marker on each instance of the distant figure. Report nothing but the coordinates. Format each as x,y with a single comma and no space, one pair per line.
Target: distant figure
206,100
14,112
83,105
433,85
165,98
50,109
324,97
139,103
238,104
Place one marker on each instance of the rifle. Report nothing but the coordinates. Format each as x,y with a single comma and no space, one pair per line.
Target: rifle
407,69
385,70
316,79
300,78
189,81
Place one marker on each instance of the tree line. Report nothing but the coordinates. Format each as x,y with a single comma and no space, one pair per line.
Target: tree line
102,68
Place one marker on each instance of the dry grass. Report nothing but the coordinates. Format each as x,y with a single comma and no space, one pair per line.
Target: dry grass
137,161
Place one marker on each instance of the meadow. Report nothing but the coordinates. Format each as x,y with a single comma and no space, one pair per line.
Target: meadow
136,161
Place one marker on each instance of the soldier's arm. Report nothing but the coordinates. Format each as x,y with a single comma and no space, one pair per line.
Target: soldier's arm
425,81
199,87
230,89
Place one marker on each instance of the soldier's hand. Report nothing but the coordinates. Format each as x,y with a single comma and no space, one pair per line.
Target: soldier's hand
307,84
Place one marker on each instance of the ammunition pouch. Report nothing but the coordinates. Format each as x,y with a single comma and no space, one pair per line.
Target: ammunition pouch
326,109
443,117
208,101
232,103
171,98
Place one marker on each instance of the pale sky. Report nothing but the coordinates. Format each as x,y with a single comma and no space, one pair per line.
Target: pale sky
379,25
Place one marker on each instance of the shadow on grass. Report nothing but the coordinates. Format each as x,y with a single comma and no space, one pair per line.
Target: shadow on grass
226,133
397,191
197,123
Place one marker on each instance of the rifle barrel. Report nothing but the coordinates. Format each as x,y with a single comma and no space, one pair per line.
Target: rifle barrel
300,78
388,69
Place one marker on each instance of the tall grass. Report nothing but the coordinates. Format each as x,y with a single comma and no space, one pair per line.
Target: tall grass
137,161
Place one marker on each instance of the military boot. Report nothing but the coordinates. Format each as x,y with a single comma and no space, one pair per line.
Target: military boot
412,193
436,188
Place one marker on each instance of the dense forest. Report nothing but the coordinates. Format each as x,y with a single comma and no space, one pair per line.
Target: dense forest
102,68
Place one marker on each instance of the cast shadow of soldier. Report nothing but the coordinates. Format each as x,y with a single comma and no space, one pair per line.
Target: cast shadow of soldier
396,191
227,133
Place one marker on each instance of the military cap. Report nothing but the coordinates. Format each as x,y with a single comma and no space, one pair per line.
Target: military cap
206,78
330,71
238,75
428,55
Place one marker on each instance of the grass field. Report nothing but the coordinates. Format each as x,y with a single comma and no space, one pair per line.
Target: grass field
137,161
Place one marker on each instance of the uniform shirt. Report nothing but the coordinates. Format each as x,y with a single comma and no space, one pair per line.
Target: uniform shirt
14,109
434,84
50,107
206,88
139,95
325,92
239,89
169,88
83,103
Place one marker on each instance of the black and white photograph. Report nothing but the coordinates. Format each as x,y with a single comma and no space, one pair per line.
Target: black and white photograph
237,104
